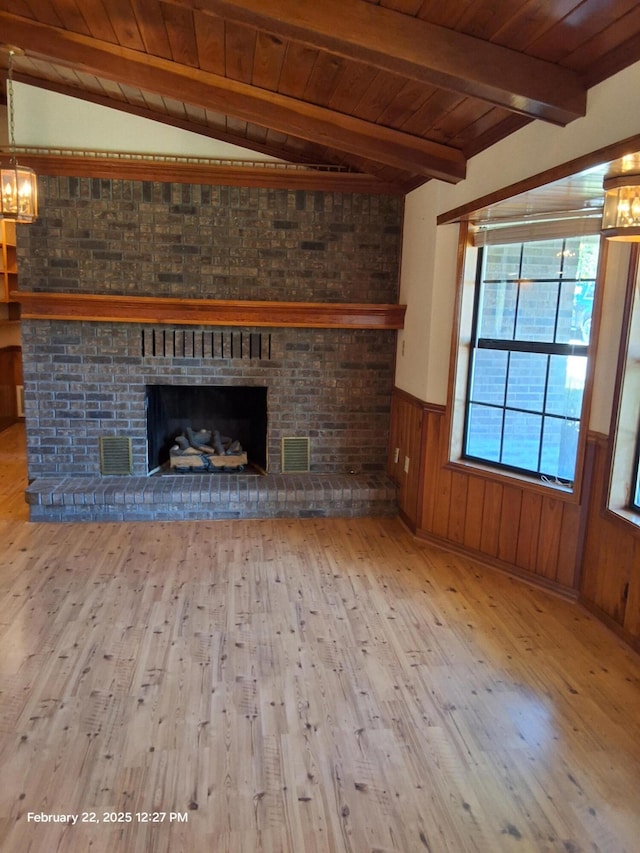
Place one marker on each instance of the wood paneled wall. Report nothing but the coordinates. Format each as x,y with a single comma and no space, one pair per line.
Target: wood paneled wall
405,462
514,526
10,378
579,550
610,582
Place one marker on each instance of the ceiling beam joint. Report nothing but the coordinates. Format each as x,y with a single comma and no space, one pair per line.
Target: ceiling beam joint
416,49
268,109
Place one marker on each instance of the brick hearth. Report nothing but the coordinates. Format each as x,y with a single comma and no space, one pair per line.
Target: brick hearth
217,496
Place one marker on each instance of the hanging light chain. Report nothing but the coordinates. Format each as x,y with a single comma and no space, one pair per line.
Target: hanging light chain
18,184
12,122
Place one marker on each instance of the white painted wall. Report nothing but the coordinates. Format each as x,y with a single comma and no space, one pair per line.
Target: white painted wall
606,362
428,292
50,120
427,281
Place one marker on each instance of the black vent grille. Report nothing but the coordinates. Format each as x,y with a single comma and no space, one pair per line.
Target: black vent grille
295,455
115,455
189,343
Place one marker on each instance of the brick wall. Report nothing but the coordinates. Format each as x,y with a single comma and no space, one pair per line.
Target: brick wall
86,380
153,239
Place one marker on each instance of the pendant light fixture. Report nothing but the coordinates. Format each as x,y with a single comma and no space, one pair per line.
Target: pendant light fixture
18,184
621,212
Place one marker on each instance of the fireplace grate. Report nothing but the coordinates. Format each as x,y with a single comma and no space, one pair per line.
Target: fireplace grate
295,455
115,455
189,343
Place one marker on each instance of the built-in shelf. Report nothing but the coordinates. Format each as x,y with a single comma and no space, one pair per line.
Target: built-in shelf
8,259
208,312
9,313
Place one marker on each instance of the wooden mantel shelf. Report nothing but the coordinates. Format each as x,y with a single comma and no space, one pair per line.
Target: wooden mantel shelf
208,312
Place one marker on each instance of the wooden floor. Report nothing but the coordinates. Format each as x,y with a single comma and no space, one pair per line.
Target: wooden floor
302,686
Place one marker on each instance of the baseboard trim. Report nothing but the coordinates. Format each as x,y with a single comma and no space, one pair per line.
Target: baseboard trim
610,623
516,572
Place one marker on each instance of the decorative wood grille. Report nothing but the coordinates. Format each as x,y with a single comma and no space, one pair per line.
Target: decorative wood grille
189,343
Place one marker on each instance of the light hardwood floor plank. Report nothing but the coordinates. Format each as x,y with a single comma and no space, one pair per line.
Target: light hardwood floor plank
300,686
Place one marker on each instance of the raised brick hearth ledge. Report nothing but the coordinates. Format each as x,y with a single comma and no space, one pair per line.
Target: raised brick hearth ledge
187,497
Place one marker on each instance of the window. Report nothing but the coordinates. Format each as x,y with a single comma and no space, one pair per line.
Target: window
624,486
528,355
635,494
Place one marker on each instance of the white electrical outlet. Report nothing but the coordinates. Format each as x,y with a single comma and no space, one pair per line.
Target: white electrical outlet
396,455
406,464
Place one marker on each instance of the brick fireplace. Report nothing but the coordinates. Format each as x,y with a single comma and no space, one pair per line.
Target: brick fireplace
90,379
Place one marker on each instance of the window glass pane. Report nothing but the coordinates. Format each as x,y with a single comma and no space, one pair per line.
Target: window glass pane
537,304
527,379
580,268
583,257
483,432
571,258
502,263
582,308
568,330
542,259
634,496
559,448
567,374
489,376
498,310
521,442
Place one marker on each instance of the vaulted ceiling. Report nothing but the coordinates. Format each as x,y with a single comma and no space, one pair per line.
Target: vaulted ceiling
400,90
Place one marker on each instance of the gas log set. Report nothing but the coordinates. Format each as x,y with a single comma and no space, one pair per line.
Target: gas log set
207,452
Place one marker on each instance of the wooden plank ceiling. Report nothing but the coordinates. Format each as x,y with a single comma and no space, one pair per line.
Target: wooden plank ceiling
400,90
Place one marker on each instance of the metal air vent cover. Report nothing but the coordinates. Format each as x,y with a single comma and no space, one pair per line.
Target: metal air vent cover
115,455
295,455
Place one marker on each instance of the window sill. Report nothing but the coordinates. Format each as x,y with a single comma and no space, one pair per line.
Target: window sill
512,478
628,518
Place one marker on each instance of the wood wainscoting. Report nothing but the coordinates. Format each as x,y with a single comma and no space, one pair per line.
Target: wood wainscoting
405,463
514,525
578,550
610,577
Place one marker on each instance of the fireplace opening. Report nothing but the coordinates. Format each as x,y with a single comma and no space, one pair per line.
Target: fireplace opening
234,412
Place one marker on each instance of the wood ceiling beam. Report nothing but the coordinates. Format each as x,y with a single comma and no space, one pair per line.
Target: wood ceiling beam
413,48
212,91
360,166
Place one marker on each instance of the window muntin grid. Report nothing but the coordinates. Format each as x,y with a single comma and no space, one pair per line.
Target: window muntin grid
532,324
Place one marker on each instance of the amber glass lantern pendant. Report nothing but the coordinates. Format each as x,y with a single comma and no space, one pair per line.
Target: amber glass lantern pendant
18,184
19,201
621,213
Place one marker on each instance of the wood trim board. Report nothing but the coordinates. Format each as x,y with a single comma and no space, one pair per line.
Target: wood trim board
208,312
